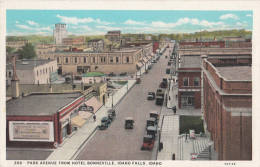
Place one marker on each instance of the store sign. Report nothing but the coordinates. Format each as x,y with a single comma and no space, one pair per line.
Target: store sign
31,131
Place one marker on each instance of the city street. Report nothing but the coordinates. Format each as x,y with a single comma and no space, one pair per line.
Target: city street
116,143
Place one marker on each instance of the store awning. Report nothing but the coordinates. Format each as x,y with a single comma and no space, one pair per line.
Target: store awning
139,64
78,121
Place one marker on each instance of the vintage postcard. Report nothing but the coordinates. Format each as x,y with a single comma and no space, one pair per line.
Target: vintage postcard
129,83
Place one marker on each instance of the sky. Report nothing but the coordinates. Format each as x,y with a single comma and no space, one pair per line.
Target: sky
98,22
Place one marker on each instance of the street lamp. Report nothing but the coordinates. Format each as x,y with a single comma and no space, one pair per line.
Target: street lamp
112,100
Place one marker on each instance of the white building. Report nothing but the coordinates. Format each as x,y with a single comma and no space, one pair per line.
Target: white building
33,71
59,33
93,77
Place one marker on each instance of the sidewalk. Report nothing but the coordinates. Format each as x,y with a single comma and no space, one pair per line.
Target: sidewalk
71,145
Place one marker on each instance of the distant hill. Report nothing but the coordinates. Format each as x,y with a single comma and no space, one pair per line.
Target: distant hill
177,36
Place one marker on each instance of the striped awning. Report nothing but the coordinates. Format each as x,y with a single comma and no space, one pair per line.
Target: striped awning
145,59
78,121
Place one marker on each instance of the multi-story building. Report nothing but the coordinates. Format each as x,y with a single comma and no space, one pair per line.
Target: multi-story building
124,60
189,78
32,71
78,41
59,33
97,45
113,36
227,106
16,44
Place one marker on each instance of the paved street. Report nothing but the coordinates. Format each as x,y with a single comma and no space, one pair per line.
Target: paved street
116,143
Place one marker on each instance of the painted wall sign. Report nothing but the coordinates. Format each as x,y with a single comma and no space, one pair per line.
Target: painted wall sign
31,131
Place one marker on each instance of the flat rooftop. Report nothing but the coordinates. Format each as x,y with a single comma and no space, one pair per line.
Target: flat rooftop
190,62
236,73
28,64
44,104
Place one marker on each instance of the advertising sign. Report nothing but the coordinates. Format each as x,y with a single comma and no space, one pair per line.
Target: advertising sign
31,131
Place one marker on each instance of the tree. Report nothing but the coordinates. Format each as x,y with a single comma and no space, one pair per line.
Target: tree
10,50
27,51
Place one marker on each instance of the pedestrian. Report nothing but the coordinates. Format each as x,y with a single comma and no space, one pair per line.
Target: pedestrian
186,136
94,118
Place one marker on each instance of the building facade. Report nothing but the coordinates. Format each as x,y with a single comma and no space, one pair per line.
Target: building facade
16,44
189,82
113,36
32,71
227,107
50,126
78,41
97,45
125,60
59,33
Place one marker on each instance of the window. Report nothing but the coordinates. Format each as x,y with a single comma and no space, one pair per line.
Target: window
85,59
58,60
185,81
111,60
93,59
66,60
10,73
196,81
127,59
75,59
117,60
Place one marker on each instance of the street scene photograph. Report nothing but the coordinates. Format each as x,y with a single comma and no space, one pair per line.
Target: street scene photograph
129,85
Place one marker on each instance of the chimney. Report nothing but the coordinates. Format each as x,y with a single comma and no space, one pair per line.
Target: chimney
15,81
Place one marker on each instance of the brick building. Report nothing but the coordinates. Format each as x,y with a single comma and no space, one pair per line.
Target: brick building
189,77
113,36
73,41
227,106
97,45
202,44
48,116
124,60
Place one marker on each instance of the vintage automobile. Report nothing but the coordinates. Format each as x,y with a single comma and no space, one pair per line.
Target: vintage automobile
111,112
105,122
129,123
154,114
151,96
148,142
138,80
151,122
151,130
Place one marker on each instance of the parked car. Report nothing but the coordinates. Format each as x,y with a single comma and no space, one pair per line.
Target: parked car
151,96
123,74
148,142
105,122
111,74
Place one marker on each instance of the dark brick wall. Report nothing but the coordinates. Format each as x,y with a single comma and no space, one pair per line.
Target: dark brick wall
232,135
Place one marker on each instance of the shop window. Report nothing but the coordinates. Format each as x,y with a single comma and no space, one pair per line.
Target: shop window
196,81
185,81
